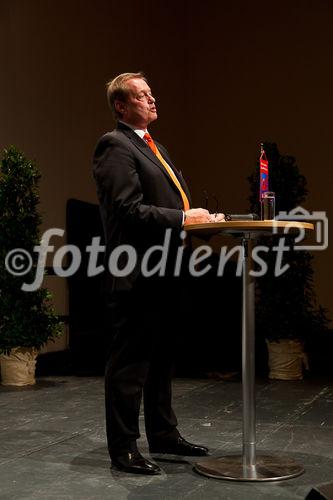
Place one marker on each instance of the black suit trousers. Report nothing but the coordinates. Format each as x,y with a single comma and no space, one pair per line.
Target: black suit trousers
141,357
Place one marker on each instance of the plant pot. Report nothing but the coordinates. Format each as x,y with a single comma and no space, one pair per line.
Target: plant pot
286,359
18,368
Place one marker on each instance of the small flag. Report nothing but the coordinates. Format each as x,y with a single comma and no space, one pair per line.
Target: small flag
263,163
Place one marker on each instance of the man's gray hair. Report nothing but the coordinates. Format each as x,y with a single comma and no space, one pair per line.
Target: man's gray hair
116,89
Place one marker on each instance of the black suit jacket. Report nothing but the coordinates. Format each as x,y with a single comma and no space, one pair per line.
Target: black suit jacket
138,199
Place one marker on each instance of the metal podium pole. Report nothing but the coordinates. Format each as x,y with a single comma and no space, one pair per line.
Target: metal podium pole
248,361
249,466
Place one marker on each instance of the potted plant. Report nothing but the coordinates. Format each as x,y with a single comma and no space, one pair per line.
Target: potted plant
27,319
287,311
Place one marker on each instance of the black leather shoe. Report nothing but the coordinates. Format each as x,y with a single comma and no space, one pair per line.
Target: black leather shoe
134,462
178,446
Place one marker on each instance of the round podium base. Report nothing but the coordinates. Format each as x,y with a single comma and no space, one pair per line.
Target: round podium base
267,468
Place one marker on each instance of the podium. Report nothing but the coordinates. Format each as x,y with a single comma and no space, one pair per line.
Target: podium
249,466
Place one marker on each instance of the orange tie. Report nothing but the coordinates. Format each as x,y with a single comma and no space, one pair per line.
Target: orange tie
171,173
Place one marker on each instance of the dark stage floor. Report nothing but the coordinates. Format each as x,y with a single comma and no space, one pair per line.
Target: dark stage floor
53,443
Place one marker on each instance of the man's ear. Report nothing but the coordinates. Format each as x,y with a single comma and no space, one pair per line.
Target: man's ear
120,107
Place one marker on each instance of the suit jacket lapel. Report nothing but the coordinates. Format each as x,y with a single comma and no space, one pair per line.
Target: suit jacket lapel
140,144
176,172
145,149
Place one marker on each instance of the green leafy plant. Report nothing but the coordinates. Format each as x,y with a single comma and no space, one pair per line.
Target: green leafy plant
27,319
286,304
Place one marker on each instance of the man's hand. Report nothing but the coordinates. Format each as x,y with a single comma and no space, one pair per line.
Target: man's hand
217,217
201,216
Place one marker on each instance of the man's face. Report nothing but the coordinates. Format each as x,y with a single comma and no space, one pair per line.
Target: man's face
139,109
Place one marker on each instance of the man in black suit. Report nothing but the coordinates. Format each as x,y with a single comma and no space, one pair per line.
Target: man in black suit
141,196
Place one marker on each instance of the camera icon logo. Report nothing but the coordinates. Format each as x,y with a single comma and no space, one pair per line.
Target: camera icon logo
320,221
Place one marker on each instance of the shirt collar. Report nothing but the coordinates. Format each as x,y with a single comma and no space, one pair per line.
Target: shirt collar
138,131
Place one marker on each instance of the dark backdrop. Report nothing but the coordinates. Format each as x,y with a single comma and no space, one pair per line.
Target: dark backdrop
226,76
